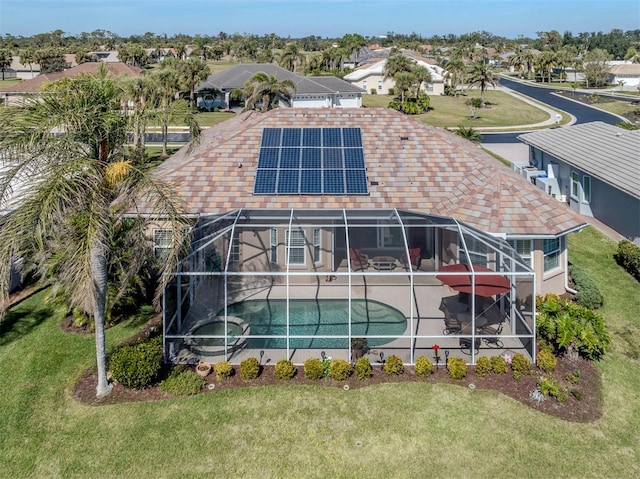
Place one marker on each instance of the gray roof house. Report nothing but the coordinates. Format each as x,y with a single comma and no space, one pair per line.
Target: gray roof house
311,92
595,167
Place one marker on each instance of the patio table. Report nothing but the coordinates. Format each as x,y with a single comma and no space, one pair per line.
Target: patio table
383,262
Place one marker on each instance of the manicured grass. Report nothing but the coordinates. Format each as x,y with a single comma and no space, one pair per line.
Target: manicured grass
213,118
617,107
505,110
393,430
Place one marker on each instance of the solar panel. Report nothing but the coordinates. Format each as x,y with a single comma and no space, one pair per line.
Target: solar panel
331,137
271,137
291,136
290,158
265,182
353,158
352,138
311,137
268,158
334,181
356,181
332,158
325,161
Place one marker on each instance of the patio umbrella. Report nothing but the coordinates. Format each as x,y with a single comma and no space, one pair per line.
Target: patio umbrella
486,284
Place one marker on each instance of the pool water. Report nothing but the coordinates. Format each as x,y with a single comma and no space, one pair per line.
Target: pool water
324,317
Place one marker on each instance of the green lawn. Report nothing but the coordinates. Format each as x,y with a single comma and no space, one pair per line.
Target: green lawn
505,110
394,430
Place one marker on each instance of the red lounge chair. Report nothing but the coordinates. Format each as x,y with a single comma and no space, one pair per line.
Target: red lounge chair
358,259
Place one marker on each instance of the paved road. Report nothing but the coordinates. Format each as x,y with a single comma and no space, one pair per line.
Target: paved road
580,111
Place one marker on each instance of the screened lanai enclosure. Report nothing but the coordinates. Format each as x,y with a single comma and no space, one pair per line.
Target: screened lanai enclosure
295,284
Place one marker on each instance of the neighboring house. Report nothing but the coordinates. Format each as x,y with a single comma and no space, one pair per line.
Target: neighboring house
17,93
628,73
595,167
311,92
107,57
370,75
22,71
280,197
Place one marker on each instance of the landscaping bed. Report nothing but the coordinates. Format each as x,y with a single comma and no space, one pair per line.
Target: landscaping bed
587,409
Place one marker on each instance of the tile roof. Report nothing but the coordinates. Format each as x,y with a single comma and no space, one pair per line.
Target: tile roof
431,171
236,76
36,84
604,151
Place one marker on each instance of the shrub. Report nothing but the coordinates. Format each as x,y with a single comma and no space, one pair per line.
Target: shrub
363,368
483,367
340,369
588,294
424,367
313,369
550,388
499,365
476,102
284,370
576,393
628,256
223,370
249,368
181,382
571,329
546,361
393,366
520,364
457,368
373,91
137,365
573,376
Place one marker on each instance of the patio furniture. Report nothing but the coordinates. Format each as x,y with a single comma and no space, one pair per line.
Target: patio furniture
386,263
413,261
495,331
358,259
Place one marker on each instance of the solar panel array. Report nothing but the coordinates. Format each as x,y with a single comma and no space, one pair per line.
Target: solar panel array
323,161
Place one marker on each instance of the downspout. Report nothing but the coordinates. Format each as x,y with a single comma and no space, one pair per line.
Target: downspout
566,268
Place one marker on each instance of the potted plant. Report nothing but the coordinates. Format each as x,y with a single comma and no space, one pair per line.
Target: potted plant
203,369
359,346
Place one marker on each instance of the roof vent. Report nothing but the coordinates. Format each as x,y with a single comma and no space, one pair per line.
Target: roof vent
404,138
374,183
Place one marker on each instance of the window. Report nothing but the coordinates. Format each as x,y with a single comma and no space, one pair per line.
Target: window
477,251
523,248
429,87
364,85
274,245
379,85
551,254
586,189
295,242
574,184
162,242
317,239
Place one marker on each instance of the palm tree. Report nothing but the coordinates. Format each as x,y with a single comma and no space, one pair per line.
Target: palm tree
482,74
469,133
27,57
5,60
165,107
423,75
292,57
455,71
76,189
545,63
268,90
192,72
396,63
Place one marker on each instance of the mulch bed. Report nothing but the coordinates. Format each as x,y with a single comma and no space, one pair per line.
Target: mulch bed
588,409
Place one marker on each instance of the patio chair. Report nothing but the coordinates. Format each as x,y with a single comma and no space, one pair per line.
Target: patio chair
493,330
413,260
358,259
451,324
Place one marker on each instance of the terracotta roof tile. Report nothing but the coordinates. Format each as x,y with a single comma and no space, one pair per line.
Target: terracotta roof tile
433,171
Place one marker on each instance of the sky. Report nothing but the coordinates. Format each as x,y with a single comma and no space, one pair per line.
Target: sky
325,18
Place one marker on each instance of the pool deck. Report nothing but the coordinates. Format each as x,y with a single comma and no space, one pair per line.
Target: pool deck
425,317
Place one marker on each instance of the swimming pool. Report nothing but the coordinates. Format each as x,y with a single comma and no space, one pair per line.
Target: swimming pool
323,317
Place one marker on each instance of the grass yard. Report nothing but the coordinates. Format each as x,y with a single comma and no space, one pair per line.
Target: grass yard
392,430
505,111
210,118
